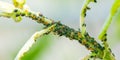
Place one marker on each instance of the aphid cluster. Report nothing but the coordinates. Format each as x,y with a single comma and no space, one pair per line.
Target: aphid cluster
18,13
104,40
88,41
61,30
92,45
87,8
95,1
39,18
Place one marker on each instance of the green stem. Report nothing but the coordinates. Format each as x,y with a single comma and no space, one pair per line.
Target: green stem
105,27
83,14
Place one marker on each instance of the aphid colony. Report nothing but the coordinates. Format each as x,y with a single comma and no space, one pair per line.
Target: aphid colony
18,13
61,30
88,41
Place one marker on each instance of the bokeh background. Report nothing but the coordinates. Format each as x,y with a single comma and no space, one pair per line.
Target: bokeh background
51,47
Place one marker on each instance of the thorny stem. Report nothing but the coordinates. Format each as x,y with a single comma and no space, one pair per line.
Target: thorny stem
31,41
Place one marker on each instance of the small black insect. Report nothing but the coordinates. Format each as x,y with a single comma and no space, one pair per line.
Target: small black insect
84,25
16,10
95,1
17,15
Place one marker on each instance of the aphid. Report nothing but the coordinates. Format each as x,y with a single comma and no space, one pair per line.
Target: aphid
90,49
40,14
105,39
22,14
16,10
83,41
113,54
79,41
91,56
88,8
105,34
110,50
84,12
71,35
91,40
67,35
75,36
55,28
46,33
17,15
85,15
39,18
84,25
103,48
79,35
33,16
95,1
86,45
95,51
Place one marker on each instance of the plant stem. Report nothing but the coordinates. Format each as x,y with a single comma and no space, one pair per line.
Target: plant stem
83,14
105,27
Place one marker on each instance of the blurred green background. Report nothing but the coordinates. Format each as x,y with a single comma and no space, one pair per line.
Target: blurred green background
50,47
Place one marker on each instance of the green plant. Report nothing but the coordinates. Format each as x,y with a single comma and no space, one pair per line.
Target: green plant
98,51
